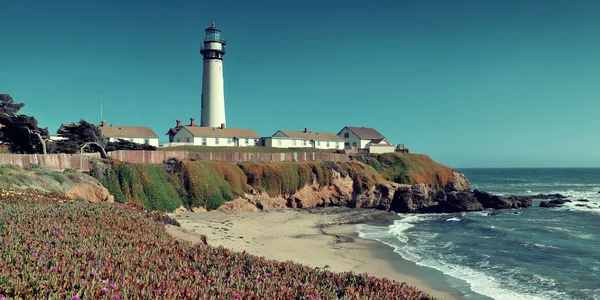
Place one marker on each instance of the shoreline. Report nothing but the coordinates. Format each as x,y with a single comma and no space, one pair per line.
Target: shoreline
320,238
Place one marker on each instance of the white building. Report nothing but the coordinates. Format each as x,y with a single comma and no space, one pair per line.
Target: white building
368,139
135,134
379,146
212,136
213,97
304,139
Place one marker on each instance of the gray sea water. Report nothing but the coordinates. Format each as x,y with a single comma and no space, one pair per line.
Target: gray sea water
531,253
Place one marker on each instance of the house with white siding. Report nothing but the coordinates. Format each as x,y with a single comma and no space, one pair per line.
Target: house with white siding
368,140
113,133
212,136
135,134
304,139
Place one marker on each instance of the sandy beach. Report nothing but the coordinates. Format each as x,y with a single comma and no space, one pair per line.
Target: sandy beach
317,238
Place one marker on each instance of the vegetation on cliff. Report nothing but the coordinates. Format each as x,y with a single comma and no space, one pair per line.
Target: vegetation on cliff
408,168
54,248
285,178
209,184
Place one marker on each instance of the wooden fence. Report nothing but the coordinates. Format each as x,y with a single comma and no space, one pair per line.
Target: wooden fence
52,161
82,162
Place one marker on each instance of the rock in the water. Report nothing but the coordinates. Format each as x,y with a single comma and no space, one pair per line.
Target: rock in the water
493,214
548,204
557,201
583,200
496,202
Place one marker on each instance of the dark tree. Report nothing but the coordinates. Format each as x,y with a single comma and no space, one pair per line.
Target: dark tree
78,134
8,109
22,133
63,146
127,145
8,106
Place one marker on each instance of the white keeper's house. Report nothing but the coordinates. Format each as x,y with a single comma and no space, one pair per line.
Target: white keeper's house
364,139
211,136
135,134
113,133
304,139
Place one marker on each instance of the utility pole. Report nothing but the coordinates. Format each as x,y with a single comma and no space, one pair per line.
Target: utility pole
101,107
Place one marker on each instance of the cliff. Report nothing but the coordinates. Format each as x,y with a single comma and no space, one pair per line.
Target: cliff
395,182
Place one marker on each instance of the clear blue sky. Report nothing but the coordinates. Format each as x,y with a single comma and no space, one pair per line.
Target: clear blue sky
471,83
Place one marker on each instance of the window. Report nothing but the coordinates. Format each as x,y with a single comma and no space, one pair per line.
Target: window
278,142
318,143
203,141
146,141
337,145
294,142
247,141
216,141
327,144
305,143
353,144
346,135
187,139
347,145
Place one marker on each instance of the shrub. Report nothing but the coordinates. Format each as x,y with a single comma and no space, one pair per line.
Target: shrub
411,169
71,250
285,178
8,168
364,176
207,186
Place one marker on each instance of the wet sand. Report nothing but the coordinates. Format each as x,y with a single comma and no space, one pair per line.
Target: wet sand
317,238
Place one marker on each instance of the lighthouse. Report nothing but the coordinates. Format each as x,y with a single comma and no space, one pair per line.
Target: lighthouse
213,98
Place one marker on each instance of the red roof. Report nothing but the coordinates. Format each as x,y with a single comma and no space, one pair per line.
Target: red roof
366,133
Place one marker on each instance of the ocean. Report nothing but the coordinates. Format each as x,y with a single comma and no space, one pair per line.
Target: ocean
530,253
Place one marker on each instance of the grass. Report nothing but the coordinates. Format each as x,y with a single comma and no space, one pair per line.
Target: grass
364,176
198,184
409,168
285,178
52,248
226,149
32,176
145,184
210,184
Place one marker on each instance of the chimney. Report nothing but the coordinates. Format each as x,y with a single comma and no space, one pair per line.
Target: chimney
222,125
192,122
178,123
305,130
103,123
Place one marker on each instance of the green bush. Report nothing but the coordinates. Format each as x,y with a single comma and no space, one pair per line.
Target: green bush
206,184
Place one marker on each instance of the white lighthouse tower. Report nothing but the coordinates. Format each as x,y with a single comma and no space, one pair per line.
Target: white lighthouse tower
213,98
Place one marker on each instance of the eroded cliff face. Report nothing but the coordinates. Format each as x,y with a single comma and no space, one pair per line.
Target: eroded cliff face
456,196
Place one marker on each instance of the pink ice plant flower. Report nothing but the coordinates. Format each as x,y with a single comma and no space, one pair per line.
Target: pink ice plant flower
75,298
104,290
